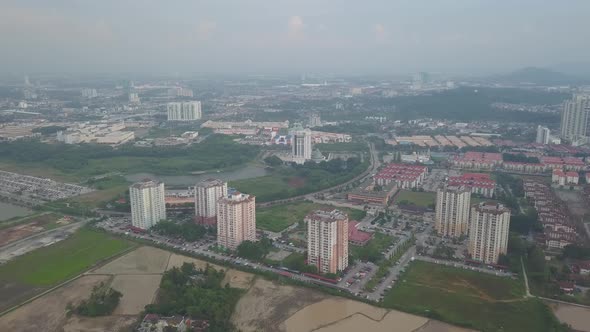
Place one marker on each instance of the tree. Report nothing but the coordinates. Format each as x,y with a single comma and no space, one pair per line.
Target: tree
273,161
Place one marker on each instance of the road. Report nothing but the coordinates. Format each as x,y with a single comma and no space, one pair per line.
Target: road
37,241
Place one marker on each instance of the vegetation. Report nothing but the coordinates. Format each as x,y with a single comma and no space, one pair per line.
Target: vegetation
289,181
278,217
48,130
296,261
65,259
453,104
188,231
372,251
197,294
254,251
85,160
480,301
418,198
387,264
102,302
521,158
574,251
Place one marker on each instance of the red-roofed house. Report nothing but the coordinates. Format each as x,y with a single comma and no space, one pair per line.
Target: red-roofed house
479,183
478,160
564,178
403,175
357,237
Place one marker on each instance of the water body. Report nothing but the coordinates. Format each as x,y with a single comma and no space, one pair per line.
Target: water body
247,172
8,211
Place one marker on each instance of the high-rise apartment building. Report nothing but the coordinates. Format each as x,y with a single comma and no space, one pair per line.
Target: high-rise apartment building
315,120
301,144
148,203
184,111
236,220
452,211
488,232
207,193
543,135
327,240
134,98
574,118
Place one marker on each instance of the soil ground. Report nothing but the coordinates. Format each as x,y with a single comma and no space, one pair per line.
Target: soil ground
138,291
145,260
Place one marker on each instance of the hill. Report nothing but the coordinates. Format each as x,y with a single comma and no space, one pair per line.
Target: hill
537,76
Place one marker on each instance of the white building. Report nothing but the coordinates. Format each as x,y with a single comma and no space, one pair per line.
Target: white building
236,220
543,135
89,93
148,204
488,232
184,111
574,118
315,120
134,98
180,92
207,193
301,144
327,240
452,211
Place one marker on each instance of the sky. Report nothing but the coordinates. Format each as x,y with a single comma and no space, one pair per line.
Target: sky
291,36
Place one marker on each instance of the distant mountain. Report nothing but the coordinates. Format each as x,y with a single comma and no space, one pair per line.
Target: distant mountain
577,69
538,76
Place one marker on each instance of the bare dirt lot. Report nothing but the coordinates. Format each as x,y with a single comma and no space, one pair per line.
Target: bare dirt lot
138,291
99,324
145,260
577,317
26,227
269,306
574,201
48,313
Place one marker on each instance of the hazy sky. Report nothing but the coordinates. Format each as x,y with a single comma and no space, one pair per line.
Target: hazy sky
328,36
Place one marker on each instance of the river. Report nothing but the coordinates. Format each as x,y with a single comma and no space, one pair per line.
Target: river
8,211
247,172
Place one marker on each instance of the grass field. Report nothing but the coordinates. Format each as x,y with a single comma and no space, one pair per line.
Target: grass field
279,217
480,301
63,260
423,199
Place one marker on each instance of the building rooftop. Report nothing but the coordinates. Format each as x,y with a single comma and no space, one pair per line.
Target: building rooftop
329,215
491,207
147,183
211,182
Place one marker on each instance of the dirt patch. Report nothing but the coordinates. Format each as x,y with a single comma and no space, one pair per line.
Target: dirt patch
278,255
138,291
99,324
577,317
177,261
329,311
360,322
48,313
296,182
267,305
145,260
25,228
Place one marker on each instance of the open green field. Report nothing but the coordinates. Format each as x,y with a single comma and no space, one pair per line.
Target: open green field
285,182
78,162
65,259
418,198
278,217
468,298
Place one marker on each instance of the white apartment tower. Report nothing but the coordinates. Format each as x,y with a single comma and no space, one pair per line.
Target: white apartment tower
184,111
315,120
488,232
148,204
207,193
574,118
543,135
301,144
452,211
236,220
327,240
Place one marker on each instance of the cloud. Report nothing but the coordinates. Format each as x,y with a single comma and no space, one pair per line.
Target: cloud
296,26
205,29
380,33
